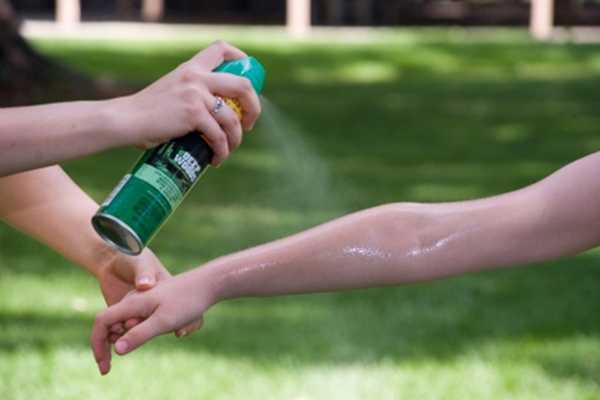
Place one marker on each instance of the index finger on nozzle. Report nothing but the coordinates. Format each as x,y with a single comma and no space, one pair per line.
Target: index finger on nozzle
216,53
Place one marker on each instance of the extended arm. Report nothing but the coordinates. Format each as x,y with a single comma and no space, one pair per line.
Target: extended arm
37,136
401,243
388,245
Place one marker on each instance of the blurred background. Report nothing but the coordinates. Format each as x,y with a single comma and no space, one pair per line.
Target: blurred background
367,102
322,12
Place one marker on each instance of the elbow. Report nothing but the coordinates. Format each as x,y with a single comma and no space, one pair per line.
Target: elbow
408,229
427,241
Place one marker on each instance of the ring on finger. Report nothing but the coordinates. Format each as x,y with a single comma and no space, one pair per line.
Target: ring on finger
219,104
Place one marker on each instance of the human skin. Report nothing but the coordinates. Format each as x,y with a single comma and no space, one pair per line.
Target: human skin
388,245
48,206
178,103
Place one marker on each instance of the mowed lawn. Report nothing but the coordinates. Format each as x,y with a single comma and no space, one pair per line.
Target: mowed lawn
408,115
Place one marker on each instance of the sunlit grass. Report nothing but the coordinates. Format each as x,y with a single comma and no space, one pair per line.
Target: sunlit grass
409,115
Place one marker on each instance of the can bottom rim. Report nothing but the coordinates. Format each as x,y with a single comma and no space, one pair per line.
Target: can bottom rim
117,234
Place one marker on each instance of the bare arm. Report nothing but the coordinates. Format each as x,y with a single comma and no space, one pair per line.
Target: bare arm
47,205
388,245
402,243
178,103
36,136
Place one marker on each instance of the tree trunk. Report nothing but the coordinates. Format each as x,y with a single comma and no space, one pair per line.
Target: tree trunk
125,9
298,16
153,10
28,77
542,19
68,13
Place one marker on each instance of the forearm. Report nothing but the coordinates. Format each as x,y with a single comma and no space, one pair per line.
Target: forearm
38,136
47,205
388,245
402,243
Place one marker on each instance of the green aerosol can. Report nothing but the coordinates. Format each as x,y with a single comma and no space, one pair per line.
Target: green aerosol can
147,196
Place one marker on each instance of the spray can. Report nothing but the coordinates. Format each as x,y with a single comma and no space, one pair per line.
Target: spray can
158,182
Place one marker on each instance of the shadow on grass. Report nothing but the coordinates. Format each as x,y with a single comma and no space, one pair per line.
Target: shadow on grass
435,321
585,368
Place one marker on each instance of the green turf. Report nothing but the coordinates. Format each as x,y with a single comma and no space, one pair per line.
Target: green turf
412,115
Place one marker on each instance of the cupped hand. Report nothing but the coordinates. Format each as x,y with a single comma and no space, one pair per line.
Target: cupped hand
183,100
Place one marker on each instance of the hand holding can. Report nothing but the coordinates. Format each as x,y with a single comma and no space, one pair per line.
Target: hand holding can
145,198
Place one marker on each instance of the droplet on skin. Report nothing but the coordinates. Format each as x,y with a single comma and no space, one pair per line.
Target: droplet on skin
369,252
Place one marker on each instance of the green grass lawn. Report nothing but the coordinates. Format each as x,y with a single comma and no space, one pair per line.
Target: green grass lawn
432,115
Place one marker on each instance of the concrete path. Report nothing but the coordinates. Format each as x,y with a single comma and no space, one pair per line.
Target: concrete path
150,31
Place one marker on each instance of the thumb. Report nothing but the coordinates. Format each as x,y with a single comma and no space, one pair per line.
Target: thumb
138,335
145,276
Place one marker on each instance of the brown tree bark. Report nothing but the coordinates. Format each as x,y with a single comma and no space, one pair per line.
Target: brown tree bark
125,9
153,10
541,19
27,76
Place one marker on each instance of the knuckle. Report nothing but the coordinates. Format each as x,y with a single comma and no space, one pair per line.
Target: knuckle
246,86
188,73
192,74
165,321
190,93
191,113
147,305
232,121
221,141
198,110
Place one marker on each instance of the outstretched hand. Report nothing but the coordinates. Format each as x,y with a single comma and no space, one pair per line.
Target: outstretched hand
172,305
124,275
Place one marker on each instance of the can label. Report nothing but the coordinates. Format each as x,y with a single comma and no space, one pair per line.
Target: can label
161,182
157,184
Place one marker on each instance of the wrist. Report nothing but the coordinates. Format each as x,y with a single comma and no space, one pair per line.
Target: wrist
102,259
214,281
117,114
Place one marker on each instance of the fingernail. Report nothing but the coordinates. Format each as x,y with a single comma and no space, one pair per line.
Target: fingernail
103,367
121,346
183,333
145,280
